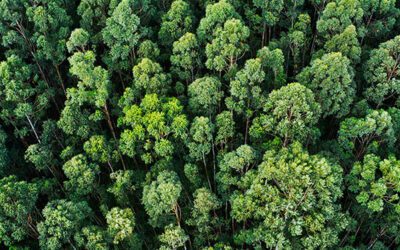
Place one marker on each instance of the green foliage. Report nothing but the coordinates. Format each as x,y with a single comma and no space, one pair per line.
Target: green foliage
270,10
225,127
290,112
148,49
176,22
17,204
346,43
87,102
306,187
81,176
381,72
185,57
121,223
149,78
62,219
273,64
160,197
375,184
331,80
173,238
201,136
358,136
228,46
154,128
122,185
78,40
204,203
98,149
121,35
233,165
338,15
24,97
246,89
52,27
92,238
215,17
141,124
373,192
205,95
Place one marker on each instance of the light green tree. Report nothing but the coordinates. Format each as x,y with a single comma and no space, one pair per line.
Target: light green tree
228,46
291,113
62,220
17,208
205,96
331,80
160,198
185,58
381,72
121,35
291,201
120,223
176,22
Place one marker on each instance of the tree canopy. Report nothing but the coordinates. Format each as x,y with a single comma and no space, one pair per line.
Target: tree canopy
199,124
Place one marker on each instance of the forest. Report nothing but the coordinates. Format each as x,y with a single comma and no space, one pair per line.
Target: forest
199,124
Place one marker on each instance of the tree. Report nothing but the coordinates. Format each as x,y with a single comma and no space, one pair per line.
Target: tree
270,15
62,219
379,19
375,183
87,103
121,223
44,155
246,89
291,113
345,43
215,17
225,128
121,35
173,238
100,150
93,15
154,129
4,153
273,65
17,210
36,31
201,143
291,201
331,80
81,176
149,78
160,198
234,165
78,40
358,136
122,185
24,97
296,39
381,72
205,95
176,22
92,238
148,49
204,203
185,58
338,15
228,46
51,29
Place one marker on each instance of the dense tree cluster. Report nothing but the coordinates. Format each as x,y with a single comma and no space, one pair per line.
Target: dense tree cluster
209,124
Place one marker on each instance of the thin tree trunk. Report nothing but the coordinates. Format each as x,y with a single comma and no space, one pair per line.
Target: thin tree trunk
113,133
33,128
